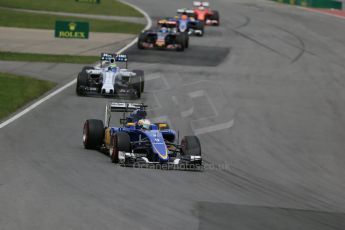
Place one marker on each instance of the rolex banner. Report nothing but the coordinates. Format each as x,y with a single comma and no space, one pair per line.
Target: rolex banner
71,29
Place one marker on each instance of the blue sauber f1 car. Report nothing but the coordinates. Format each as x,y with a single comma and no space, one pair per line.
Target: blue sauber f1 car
138,142
187,23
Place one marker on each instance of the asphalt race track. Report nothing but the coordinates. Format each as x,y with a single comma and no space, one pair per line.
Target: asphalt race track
265,94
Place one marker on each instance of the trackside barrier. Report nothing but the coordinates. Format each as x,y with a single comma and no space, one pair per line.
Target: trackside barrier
90,1
327,4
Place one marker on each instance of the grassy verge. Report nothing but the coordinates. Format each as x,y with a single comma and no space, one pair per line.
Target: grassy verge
107,7
16,91
11,56
9,18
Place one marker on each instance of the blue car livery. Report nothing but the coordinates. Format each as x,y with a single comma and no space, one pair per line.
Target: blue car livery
138,141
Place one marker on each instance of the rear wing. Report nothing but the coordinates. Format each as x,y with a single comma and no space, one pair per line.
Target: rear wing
114,58
121,107
125,107
167,21
198,4
186,11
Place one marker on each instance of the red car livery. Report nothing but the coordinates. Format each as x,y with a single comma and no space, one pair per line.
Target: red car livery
204,13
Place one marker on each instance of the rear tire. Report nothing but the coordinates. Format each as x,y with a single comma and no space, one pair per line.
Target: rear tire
121,142
93,134
190,146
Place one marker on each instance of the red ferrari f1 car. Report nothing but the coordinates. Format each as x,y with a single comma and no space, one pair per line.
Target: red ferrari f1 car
203,13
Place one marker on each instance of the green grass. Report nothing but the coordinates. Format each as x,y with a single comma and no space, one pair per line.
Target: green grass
9,18
16,91
10,56
107,7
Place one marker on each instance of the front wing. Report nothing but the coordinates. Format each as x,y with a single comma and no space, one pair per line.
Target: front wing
174,163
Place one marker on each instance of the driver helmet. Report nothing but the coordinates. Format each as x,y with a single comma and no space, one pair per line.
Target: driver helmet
112,65
184,16
145,123
201,7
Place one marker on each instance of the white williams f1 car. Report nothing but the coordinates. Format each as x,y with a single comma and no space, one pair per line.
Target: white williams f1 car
108,79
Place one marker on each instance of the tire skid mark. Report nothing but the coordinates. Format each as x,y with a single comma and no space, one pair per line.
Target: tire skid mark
256,7
274,187
302,48
253,183
262,44
246,23
293,60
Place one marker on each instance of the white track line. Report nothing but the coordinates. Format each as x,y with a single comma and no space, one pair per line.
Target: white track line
37,103
148,25
59,90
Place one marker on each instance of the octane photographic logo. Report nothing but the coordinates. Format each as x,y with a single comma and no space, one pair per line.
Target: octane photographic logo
181,167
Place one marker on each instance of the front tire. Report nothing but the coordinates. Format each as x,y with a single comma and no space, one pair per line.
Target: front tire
141,39
81,83
141,74
121,142
215,16
201,27
190,146
180,40
87,68
137,85
93,134
185,37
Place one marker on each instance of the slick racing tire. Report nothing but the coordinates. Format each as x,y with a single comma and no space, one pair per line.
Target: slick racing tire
120,142
215,16
141,39
93,134
180,40
87,68
186,39
201,27
81,83
137,85
142,75
190,146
